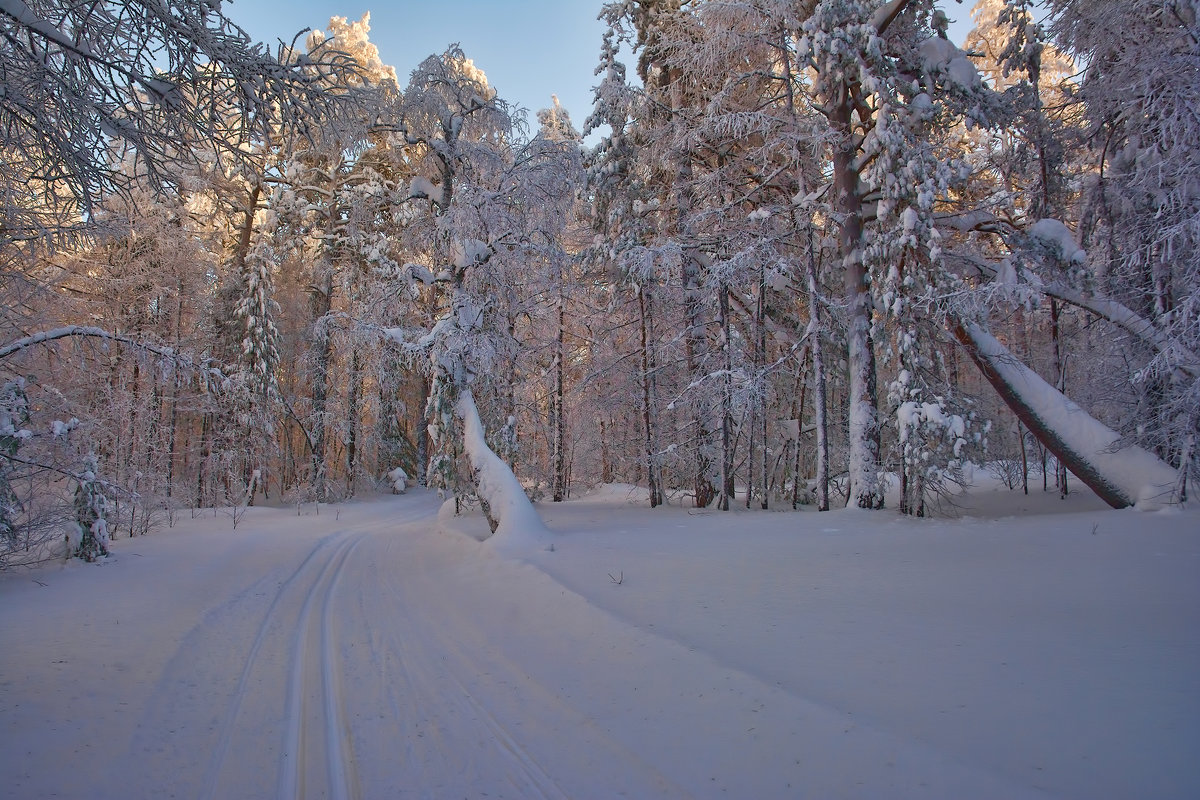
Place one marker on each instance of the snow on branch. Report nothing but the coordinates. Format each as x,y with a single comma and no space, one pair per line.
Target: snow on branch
886,14
1121,474
1107,309
519,526
86,332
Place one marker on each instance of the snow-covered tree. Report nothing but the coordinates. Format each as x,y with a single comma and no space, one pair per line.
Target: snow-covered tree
473,180
1142,225
1137,228
83,81
110,113
90,540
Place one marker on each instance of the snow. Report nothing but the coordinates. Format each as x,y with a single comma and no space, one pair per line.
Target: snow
940,55
469,252
1057,237
423,187
1142,478
520,527
1006,273
398,478
366,651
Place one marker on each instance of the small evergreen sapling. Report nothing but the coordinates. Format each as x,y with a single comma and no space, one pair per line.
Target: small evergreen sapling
14,415
90,508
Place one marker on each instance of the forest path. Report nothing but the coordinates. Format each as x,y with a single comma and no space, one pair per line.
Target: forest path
365,653
339,656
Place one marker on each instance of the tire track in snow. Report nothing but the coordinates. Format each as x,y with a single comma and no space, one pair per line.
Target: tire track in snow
294,762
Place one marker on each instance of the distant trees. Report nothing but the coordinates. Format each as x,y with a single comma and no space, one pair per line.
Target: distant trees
101,104
902,193
228,271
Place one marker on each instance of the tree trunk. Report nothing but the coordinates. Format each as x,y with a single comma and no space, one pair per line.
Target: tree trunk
860,355
559,432
801,392
423,437
760,359
355,416
510,514
322,347
727,443
1121,475
1060,377
652,476
820,412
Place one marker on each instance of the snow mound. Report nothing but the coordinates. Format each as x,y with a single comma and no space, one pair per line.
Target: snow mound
398,478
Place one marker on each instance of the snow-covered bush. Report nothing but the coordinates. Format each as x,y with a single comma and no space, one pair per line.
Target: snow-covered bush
14,415
398,480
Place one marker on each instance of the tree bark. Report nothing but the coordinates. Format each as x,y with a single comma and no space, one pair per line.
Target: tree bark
860,357
560,456
652,478
727,443
322,348
820,413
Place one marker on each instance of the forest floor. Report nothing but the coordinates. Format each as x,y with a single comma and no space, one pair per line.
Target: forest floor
1029,647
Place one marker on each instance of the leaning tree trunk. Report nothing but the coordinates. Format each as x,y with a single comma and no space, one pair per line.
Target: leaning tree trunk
1122,475
510,514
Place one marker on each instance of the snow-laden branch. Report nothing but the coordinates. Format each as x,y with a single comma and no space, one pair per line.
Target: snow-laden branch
1111,311
886,14
1120,474
80,331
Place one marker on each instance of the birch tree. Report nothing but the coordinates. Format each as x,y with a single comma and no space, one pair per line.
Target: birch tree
472,180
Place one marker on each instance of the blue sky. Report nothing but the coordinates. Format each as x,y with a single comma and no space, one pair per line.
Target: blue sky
530,49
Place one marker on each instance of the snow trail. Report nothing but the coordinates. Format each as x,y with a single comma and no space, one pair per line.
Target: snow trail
374,655
218,759
296,766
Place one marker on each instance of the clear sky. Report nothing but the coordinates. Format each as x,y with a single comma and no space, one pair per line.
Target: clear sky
530,49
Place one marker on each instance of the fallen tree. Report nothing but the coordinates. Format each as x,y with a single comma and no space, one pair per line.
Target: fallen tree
1120,474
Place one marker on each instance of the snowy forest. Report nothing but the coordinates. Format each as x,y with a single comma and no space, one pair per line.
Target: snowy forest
817,248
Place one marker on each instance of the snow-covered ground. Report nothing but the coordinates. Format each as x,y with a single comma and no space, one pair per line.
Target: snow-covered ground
1030,648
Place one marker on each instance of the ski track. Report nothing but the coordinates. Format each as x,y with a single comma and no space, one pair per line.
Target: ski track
297,767
442,680
531,779
433,726
227,729
315,671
